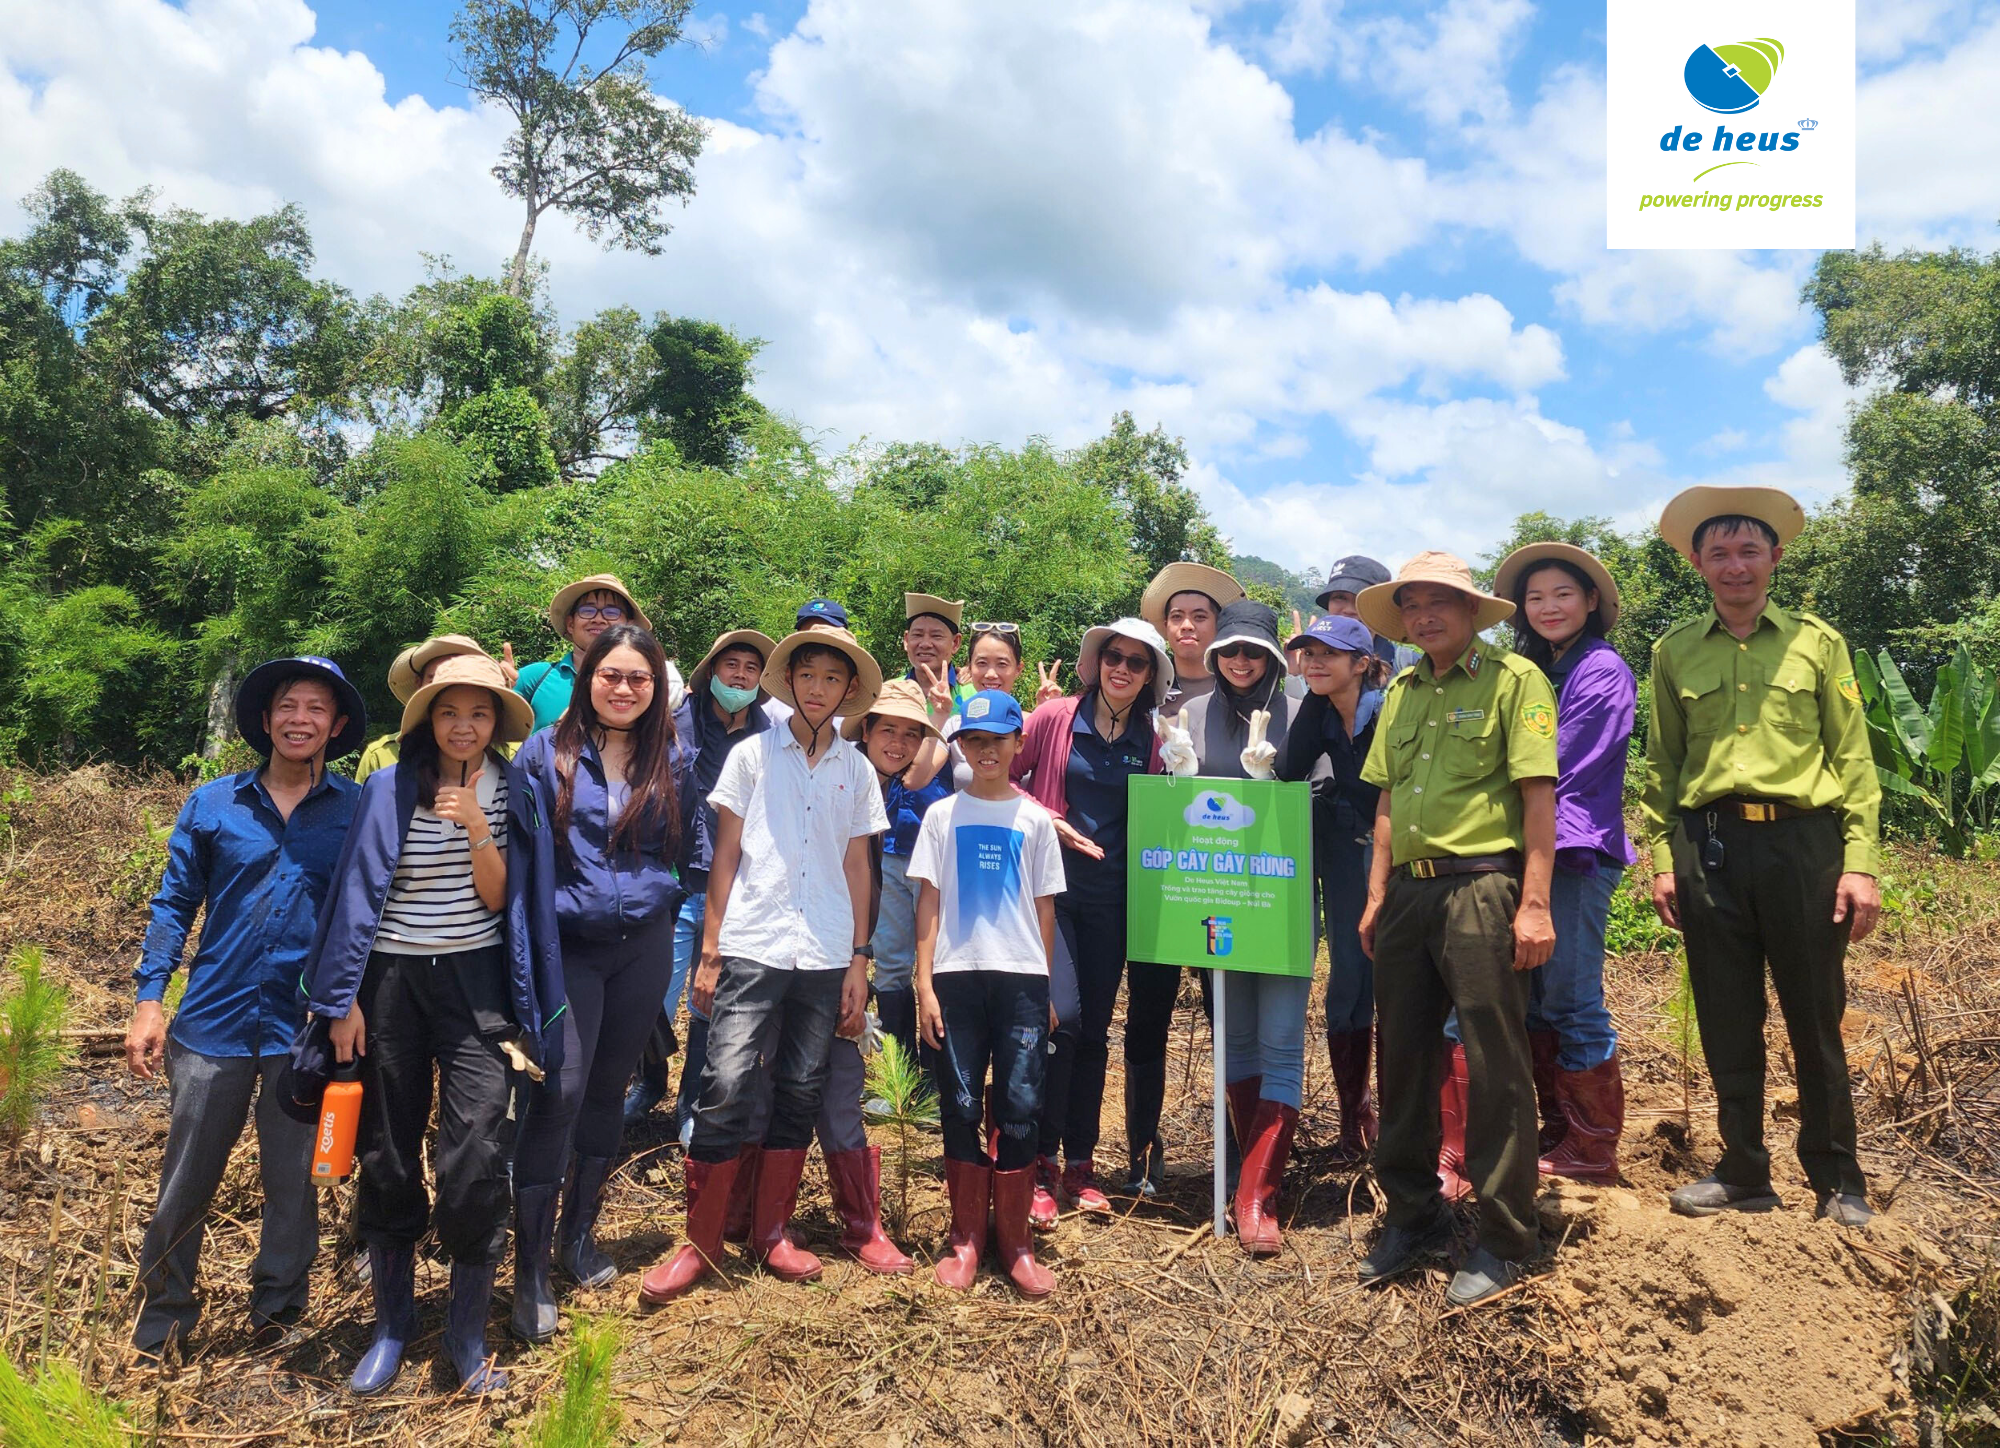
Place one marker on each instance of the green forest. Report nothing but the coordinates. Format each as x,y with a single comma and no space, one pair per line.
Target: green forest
214,454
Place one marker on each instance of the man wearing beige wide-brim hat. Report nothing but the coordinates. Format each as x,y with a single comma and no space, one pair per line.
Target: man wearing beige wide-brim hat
1761,805
1457,914
579,612
1185,602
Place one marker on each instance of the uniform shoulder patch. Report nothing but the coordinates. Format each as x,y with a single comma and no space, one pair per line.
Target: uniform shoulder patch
1849,689
1538,719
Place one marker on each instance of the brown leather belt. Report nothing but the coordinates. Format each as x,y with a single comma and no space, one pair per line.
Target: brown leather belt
1758,811
1508,863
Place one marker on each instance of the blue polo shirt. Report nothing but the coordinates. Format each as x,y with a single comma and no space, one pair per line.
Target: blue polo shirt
1095,784
547,688
907,808
264,880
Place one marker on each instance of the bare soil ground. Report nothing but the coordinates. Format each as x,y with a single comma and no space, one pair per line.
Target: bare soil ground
1640,1327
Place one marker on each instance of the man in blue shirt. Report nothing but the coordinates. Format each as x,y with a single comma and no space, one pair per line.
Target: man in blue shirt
258,850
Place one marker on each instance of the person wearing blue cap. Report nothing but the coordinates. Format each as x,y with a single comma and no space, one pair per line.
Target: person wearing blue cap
256,850
1328,744
990,867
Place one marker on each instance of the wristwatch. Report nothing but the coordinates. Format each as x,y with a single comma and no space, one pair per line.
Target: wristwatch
866,950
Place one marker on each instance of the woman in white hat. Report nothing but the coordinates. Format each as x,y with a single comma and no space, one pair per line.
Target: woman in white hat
1076,755
438,954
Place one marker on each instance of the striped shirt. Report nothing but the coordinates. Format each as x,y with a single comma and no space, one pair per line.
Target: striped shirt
433,908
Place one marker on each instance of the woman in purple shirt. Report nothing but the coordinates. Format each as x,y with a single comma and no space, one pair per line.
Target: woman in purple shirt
1564,602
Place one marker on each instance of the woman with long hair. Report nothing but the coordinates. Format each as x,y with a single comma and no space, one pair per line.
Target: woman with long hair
438,954
1565,602
1076,755
1328,743
611,771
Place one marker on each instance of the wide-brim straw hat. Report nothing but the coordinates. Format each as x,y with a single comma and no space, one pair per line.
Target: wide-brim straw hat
1247,621
899,699
406,674
697,679
867,672
1140,632
517,718
570,593
1186,578
1522,561
952,611
254,694
1692,507
1377,604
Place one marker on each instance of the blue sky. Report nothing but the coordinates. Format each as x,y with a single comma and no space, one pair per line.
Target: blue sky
1353,252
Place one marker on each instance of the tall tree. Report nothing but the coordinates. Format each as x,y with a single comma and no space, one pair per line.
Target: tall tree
1143,471
590,140
698,397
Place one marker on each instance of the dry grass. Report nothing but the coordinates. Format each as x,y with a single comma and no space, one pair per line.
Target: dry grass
1158,1333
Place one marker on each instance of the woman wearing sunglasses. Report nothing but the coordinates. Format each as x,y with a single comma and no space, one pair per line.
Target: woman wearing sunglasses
612,774
1076,756
1238,731
578,613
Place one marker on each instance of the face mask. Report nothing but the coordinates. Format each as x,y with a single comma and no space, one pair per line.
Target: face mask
733,701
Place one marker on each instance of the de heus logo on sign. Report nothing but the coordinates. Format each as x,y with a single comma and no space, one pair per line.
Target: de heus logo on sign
1731,79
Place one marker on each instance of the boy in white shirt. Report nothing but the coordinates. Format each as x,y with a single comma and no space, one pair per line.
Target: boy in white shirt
990,867
785,949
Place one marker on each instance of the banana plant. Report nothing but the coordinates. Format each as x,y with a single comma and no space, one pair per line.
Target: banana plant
1947,754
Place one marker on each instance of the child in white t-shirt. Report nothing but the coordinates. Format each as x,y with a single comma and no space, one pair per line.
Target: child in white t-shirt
990,867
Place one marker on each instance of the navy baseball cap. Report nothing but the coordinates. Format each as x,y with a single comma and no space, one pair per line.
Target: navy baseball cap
822,610
1350,635
990,712
1352,574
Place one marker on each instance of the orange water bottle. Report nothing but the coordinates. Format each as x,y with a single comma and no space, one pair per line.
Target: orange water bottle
339,1115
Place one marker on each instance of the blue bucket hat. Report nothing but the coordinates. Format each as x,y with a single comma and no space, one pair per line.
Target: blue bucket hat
822,610
261,683
1336,631
990,712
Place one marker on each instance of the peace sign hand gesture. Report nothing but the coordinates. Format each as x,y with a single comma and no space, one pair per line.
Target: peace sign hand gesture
1049,682
508,669
1259,757
937,688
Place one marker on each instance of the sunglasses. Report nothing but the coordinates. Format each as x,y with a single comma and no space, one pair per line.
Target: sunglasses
995,628
1238,651
609,612
1132,663
639,679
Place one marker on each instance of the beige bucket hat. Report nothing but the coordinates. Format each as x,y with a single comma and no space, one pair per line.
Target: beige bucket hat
1523,560
1186,578
1692,507
1377,603
899,699
406,674
568,595
517,718
866,670
952,611
697,679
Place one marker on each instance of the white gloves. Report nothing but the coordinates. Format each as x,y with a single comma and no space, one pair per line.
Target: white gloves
1176,747
1259,758
870,1039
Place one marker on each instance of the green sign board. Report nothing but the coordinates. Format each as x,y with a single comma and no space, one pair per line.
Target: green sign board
1219,874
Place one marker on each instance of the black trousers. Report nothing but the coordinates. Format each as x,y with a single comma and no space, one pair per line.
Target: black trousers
614,989
448,1013
1771,904
1073,1090
1442,943
999,1019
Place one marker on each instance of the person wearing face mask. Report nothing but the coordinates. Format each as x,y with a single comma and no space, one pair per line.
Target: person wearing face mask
611,774
1239,732
1183,603
1328,743
1565,600
725,705
578,613
1076,756
440,955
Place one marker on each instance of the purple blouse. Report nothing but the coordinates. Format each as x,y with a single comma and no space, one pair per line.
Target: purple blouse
1594,708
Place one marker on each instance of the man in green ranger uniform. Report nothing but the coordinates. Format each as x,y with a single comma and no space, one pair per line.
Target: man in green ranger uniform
1761,805
1457,914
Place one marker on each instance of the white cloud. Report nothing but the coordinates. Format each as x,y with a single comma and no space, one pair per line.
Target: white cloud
1446,63
1928,160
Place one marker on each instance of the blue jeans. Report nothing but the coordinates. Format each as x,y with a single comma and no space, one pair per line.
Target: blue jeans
687,945
744,1044
996,1017
1266,1032
1567,994
1342,868
694,1058
895,936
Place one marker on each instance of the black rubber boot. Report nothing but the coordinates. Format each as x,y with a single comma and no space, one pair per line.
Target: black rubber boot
580,1257
534,1318
465,1328
392,1277
1145,1095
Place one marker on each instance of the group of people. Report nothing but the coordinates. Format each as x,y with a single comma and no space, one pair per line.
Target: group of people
500,914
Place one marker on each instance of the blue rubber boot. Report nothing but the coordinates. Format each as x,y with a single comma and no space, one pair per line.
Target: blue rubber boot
392,1274
465,1328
